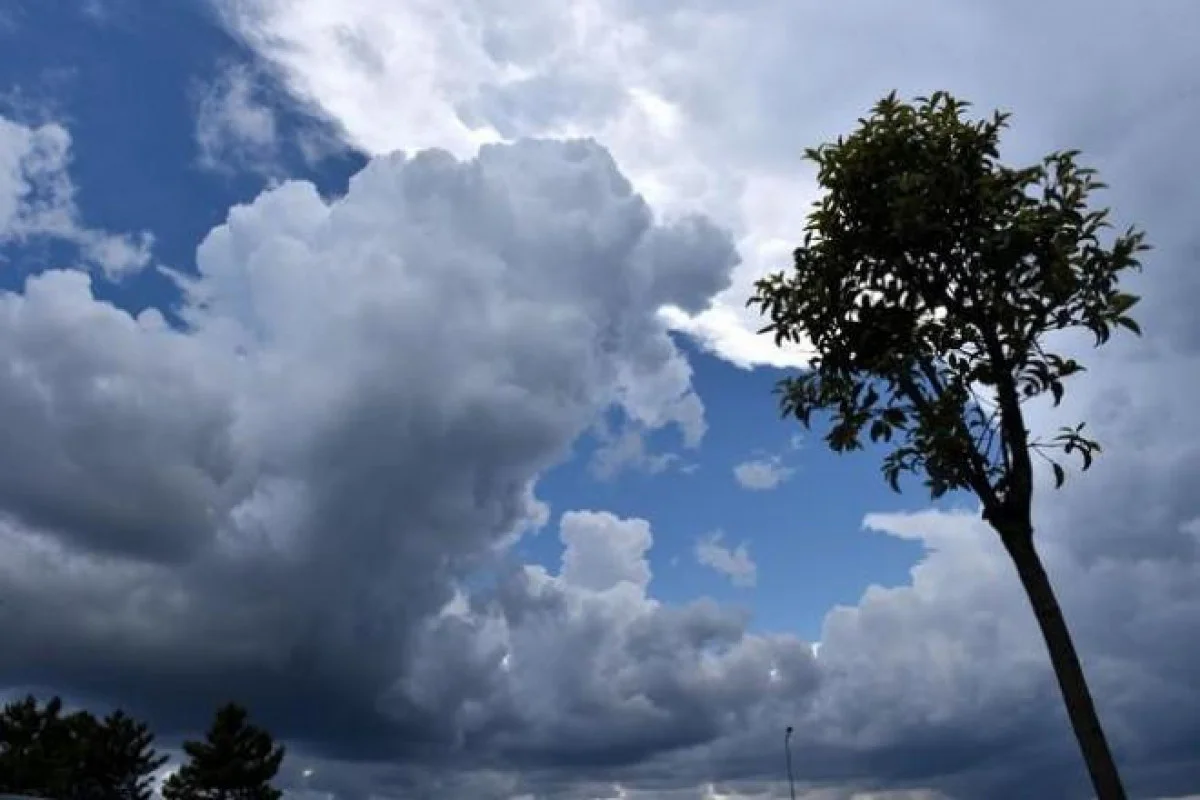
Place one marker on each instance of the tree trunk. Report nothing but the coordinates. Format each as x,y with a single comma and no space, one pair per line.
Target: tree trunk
1071,682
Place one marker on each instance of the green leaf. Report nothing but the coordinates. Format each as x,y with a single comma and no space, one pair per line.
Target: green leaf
1123,302
1060,475
1056,389
1129,324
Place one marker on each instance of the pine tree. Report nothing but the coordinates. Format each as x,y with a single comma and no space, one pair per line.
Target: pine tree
117,758
44,753
35,751
236,761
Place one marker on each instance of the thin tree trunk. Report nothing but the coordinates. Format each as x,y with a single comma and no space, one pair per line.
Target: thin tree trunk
1071,681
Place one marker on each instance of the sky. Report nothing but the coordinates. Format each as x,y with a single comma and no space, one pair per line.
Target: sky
385,367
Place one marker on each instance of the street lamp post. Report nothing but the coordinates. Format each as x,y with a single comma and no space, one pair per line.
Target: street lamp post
787,754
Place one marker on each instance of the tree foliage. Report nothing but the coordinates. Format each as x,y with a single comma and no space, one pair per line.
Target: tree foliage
117,755
75,756
35,747
930,283
235,761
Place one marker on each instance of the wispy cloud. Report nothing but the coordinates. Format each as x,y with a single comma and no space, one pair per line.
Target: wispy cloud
37,200
628,450
735,564
234,127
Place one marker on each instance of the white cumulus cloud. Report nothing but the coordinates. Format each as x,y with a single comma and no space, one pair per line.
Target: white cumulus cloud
762,474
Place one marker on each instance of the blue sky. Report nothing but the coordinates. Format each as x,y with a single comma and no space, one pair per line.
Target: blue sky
389,371
805,536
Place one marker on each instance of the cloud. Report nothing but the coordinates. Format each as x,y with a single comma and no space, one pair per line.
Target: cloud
350,420
470,75
627,449
736,564
104,12
37,200
762,474
703,104
622,675
559,682
129,415
234,126
602,551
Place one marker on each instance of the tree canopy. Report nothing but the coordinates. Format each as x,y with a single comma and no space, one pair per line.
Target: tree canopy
929,283
45,752
76,756
932,284
235,761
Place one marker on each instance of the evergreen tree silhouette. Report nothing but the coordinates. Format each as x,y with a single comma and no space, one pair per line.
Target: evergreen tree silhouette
236,761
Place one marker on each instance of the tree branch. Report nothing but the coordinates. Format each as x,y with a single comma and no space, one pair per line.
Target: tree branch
976,472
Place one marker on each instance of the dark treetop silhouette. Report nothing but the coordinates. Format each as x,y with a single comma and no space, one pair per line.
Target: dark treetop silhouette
236,761
45,753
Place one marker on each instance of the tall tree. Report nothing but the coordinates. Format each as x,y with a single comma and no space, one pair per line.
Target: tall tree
930,284
236,761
